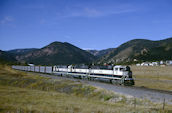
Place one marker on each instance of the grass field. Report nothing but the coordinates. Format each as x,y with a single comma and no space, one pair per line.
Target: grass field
22,92
155,77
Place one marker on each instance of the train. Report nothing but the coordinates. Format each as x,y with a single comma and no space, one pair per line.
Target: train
118,74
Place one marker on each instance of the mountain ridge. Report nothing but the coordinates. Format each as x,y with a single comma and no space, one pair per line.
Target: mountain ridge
100,53
57,53
140,49
6,58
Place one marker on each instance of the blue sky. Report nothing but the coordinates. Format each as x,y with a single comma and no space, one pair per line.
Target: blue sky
88,24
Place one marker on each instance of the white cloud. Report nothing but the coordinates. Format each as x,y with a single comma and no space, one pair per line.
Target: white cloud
80,11
83,12
67,37
6,20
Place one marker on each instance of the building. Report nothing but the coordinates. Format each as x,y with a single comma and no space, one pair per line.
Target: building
169,62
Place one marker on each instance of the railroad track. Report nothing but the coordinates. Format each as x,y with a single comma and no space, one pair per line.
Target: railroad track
153,95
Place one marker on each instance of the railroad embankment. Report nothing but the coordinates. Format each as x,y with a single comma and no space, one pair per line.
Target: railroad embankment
27,92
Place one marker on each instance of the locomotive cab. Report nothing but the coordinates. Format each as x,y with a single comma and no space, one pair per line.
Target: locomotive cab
125,73
121,70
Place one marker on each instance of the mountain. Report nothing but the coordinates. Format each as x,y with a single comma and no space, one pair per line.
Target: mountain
140,50
65,53
21,51
93,52
56,53
100,53
5,57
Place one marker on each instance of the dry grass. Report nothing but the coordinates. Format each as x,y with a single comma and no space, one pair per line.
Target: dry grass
19,100
153,77
25,100
21,92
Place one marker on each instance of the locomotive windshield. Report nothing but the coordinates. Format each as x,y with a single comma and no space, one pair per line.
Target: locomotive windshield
127,68
122,69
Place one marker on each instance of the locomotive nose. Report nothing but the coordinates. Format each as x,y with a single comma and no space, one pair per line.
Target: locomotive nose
130,74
